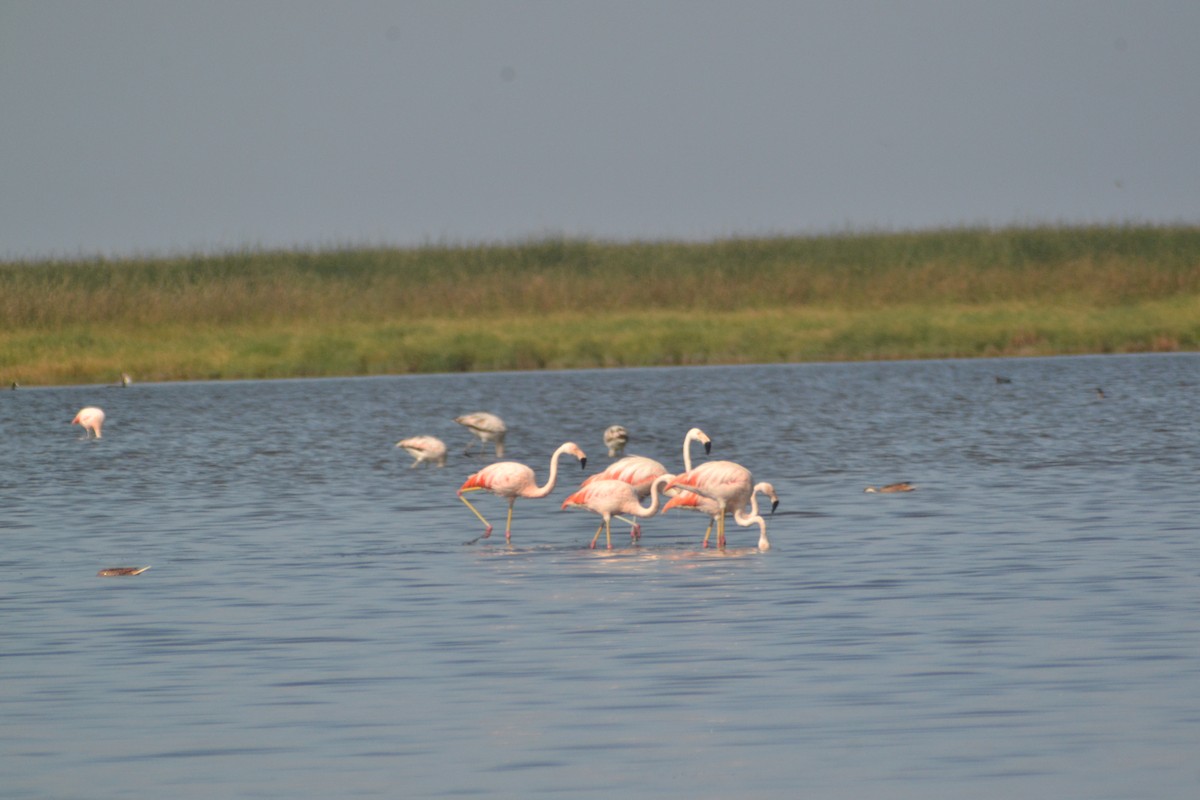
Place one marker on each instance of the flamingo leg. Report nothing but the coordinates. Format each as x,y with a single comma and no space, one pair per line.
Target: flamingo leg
608,533
597,536
721,531
708,531
508,524
635,530
475,511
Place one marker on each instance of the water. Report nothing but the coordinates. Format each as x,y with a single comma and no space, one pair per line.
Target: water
1027,623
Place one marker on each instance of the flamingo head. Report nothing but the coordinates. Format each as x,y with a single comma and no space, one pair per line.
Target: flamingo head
769,491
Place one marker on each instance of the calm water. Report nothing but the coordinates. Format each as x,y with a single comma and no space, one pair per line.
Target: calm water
1027,623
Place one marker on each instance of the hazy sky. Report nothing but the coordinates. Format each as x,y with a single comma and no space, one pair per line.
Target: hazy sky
162,126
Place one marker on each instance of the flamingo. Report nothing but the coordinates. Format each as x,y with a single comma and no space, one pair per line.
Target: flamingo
641,471
487,428
729,484
91,418
511,480
611,497
615,439
425,449
891,488
695,498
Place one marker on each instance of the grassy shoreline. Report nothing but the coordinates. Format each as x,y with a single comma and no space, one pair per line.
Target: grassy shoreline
558,304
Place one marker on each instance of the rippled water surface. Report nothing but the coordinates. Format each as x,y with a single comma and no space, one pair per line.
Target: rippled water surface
1026,623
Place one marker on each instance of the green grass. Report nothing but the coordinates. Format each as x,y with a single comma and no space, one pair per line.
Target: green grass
565,304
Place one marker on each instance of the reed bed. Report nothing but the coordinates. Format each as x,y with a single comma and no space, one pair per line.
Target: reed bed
565,304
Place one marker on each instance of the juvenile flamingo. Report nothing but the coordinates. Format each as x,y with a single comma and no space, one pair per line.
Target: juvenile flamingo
694,498
615,439
611,497
425,450
91,418
511,480
487,428
641,471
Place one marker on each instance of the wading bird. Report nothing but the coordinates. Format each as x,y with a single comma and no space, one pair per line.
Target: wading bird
91,418
694,498
425,450
510,480
729,484
611,497
487,428
615,439
891,488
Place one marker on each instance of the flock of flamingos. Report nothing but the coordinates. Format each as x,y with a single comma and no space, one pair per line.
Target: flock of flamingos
715,488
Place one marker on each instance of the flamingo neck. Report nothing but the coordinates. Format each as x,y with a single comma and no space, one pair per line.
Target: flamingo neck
746,520
687,452
654,498
542,491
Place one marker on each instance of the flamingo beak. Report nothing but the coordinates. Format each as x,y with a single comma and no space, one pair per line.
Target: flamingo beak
774,505
707,448
583,463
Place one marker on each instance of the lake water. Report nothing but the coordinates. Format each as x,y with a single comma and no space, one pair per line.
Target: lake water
1025,624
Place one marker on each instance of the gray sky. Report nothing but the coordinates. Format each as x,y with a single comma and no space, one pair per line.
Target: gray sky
164,127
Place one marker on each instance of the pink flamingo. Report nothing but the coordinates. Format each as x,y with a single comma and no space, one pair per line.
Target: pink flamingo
91,418
511,480
425,450
729,484
487,428
696,499
611,497
641,471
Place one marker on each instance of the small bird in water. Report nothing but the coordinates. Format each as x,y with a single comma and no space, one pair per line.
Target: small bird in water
615,439
1002,379
1099,393
113,572
425,449
891,488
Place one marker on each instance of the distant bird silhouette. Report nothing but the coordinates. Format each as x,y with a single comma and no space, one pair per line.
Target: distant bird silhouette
510,480
1002,379
611,497
92,420
891,488
125,379
1099,393
615,439
425,450
487,428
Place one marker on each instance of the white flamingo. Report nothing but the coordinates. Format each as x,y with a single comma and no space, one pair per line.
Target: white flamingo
487,428
424,450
